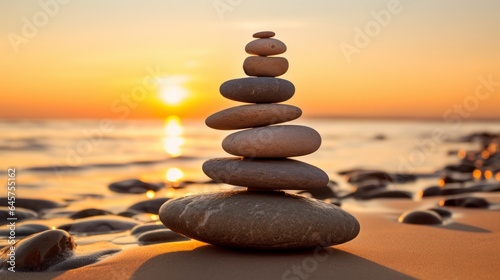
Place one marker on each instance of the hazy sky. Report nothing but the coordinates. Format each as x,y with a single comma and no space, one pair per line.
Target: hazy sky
117,58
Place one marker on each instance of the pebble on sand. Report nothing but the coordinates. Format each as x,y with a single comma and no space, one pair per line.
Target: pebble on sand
421,217
259,220
39,251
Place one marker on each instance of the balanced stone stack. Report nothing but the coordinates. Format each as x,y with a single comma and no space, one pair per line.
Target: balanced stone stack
262,216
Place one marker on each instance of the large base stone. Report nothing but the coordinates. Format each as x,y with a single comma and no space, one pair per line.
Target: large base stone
259,220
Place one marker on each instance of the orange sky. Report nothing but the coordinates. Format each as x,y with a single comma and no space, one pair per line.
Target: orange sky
87,59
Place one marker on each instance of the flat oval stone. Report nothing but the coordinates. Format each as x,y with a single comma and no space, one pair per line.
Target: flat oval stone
277,141
254,115
100,224
39,251
160,236
284,174
258,90
265,47
259,220
261,66
264,34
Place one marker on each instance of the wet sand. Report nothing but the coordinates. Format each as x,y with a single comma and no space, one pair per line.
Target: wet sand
465,247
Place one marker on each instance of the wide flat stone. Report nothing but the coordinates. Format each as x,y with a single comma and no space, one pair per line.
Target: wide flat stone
261,66
258,90
265,47
254,115
277,141
265,174
259,220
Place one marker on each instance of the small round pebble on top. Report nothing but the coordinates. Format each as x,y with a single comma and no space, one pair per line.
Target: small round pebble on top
264,34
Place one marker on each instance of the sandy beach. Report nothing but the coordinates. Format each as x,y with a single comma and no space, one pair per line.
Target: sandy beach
464,248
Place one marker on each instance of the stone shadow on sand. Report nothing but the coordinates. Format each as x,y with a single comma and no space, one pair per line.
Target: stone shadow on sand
464,227
212,262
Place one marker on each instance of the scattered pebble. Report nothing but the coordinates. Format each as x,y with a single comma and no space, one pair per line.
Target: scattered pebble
33,204
160,235
133,186
421,217
466,202
20,214
24,230
149,206
146,227
39,251
91,212
442,211
100,224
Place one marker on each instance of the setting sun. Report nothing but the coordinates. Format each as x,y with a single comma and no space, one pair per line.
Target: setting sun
172,91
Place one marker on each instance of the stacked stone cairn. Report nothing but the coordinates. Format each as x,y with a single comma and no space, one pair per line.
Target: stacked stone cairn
262,216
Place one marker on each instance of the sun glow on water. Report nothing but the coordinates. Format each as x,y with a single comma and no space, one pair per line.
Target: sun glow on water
173,140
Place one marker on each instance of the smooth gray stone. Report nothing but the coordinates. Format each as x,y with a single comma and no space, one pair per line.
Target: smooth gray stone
259,220
278,141
266,174
254,115
258,90
39,251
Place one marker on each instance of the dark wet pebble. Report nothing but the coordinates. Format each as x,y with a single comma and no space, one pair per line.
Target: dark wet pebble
146,227
449,179
466,202
39,251
365,175
431,191
478,137
462,168
133,186
130,213
485,187
379,137
20,214
420,217
33,204
100,224
160,235
24,230
442,211
402,178
149,206
320,193
385,194
91,212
